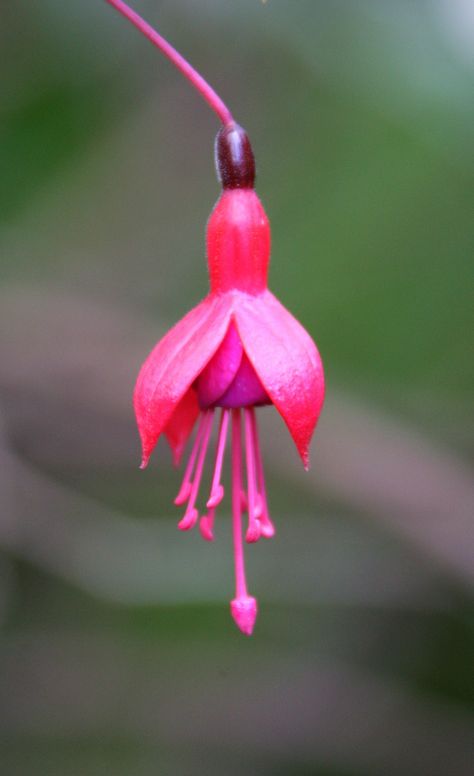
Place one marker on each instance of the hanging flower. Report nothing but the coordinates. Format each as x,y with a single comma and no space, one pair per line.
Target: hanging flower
238,350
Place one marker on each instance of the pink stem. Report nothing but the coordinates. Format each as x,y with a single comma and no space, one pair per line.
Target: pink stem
199,83
240,582
253,531
191,514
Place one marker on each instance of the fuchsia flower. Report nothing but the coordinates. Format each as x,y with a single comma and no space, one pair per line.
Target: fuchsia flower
238,350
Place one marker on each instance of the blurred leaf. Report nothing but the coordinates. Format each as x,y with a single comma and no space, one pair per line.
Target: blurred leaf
42,135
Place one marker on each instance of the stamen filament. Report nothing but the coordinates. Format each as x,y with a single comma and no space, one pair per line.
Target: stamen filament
186,484
217,491
266,524
206,524
254,529
191,515
199,83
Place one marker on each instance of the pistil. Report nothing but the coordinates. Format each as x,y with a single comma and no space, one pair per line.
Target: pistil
243,607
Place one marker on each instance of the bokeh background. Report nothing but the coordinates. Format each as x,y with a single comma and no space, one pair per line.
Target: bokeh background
117,651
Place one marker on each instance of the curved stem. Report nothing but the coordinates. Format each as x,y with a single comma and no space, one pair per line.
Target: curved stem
199,83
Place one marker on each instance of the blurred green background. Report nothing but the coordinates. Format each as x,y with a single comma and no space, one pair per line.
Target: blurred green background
117,651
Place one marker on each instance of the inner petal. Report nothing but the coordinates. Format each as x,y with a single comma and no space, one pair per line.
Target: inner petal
229,379
246,390
218,374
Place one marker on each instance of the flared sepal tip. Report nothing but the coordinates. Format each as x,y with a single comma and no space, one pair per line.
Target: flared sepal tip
177,455
244,612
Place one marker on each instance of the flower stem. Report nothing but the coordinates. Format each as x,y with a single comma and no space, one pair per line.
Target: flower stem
199,83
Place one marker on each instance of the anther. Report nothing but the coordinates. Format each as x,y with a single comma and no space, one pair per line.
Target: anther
206,525
189,520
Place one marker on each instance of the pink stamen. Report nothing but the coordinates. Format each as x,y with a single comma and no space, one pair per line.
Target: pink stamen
191,515
266,524
206,524
243,607
186,485
199,83
217,490
254,529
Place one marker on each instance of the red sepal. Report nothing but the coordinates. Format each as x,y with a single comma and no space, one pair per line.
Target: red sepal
181,424
173,365
286,361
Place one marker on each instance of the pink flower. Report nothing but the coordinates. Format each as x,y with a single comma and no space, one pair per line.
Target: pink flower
237,350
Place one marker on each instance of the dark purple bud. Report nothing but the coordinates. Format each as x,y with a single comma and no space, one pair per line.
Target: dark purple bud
235,162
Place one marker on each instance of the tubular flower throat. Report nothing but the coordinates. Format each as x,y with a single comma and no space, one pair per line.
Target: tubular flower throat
238,350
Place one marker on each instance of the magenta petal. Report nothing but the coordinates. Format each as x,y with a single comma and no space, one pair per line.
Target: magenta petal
173,365
287,362
246,390
221,369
